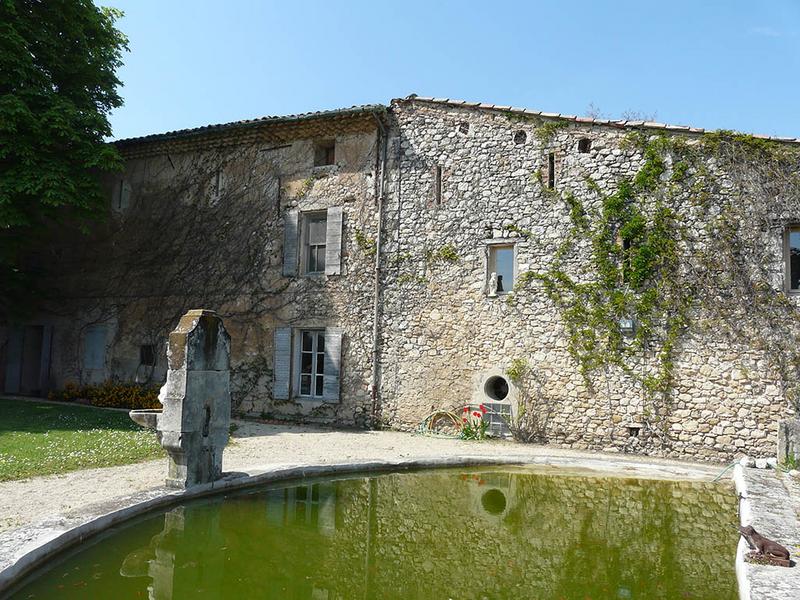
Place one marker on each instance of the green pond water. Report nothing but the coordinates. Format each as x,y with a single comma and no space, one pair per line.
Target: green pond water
449,534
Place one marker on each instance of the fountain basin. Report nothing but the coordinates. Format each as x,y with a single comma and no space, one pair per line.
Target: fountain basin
146,417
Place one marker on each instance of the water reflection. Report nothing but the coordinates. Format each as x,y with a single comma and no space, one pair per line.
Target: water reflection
482,534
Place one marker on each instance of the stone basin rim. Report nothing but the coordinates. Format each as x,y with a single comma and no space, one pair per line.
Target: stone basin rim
38,551
146,417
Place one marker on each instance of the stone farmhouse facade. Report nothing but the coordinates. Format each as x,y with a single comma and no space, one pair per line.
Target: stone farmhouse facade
376,264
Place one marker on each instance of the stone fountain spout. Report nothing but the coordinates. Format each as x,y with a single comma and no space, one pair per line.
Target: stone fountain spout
194,424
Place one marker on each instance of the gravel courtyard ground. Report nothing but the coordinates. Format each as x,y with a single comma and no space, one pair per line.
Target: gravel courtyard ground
257,446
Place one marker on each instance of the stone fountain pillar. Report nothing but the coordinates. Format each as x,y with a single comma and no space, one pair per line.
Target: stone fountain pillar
194,425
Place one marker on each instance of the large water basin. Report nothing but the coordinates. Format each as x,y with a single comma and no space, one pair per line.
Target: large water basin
486,533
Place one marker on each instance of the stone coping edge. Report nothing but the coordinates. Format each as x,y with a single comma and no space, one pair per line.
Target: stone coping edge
745,518
48,540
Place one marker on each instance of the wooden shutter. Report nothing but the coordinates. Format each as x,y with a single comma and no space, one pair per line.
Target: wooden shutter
282,363
44,365
333,360
14,360
290,245
333,242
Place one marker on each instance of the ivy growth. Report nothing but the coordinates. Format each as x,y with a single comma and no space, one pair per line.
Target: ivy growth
633,237
366,244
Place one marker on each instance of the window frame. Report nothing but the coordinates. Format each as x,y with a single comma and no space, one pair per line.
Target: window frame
306,218
491,247
787,258
316,354
325,153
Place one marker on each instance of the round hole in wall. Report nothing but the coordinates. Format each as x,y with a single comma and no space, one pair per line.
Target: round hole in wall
520,137
493,501
496,387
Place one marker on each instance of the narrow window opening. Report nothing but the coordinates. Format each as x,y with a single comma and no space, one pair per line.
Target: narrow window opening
584,145
325,153
147,355
551,170
437,184
463,127
793,259
520,137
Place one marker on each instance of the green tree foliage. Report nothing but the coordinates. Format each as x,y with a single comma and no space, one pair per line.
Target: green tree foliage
57,86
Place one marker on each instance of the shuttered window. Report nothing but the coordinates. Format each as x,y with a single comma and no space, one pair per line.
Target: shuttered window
313,240
307,363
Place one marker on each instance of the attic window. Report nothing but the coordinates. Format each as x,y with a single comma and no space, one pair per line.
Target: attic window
520,137
584,145
325,153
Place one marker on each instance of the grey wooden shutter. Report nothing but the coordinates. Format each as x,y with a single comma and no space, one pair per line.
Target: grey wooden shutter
44,365
282,363
333,242
290,243
14,360
333,360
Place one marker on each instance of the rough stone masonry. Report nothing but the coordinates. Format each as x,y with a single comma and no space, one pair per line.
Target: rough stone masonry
368,265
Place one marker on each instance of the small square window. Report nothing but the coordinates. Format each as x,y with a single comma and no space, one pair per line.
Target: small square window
584,145
793,258
314,231
325,153
147,355
501,269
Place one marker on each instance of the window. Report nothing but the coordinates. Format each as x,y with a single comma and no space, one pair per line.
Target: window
147,355
315,226
325,153
501,269
312,242
497,416
520,137
793,258
584,145
217,186
307,363
312,363
437,184
551,170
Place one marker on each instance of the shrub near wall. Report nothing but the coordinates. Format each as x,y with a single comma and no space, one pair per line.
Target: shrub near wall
110,395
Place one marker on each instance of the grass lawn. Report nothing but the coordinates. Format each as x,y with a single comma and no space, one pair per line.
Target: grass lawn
38,438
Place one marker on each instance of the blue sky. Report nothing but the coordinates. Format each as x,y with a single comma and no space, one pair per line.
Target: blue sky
717,64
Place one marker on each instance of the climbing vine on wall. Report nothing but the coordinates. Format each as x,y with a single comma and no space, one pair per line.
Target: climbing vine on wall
632,235
647,266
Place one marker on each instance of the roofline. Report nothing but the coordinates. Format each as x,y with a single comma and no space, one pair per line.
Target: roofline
198,132
617,123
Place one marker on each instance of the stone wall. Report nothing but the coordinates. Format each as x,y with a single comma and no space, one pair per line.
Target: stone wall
200,223
175,244
442,332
